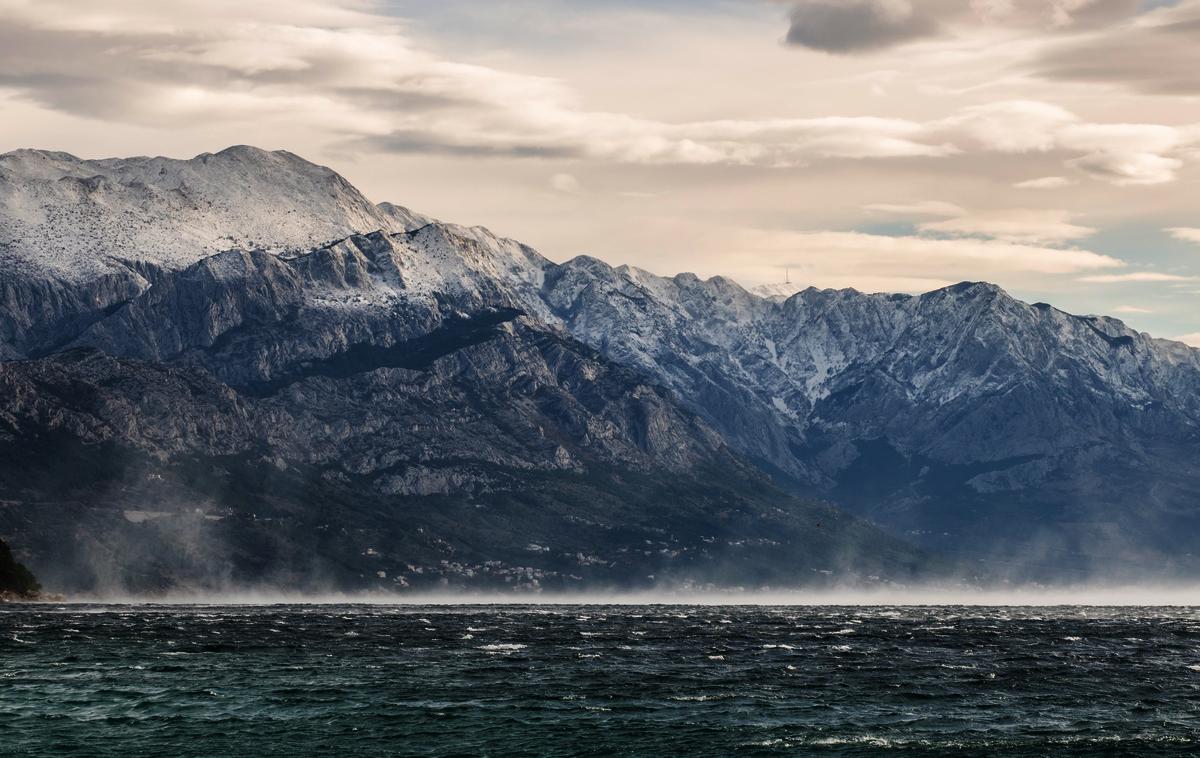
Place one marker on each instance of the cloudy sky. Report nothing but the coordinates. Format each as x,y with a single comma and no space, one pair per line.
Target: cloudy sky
1051,146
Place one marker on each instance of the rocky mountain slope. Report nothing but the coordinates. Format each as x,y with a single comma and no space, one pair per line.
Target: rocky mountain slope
1011,434
381,411
963,418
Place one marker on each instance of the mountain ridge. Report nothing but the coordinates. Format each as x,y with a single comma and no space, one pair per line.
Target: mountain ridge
373,412
963,418
257,156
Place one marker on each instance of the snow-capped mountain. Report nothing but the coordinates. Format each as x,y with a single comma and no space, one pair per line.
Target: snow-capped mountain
963,418
378,410
105,229
82,217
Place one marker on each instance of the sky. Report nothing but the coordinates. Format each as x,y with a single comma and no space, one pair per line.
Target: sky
1049,146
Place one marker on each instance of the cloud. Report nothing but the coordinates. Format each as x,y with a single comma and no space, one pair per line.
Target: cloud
343,70
1155,54
1131,309
340,69
1128,169
1012,126
302,64
1033,226
1030,226
1045,183
1125,154
566,184
865,26
1135,276
844,26
905,263
1192,339
557,131
920,208
1120,154
1187,234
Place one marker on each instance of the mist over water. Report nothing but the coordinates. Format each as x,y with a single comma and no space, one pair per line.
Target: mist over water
1175,595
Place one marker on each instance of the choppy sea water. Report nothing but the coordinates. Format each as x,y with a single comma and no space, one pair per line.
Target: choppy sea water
361,680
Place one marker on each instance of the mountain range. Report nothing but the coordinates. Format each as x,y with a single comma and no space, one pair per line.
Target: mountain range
235,370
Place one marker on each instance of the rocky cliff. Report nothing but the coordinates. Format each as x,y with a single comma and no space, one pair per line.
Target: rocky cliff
16,581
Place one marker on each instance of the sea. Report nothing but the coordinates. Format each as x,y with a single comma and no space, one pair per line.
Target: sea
381,679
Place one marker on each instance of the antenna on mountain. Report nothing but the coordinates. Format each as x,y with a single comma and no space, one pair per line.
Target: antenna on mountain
787,276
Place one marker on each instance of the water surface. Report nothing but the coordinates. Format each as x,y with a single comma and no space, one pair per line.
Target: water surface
371,680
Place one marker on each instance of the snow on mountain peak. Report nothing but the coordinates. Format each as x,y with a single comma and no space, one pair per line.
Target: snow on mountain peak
81,218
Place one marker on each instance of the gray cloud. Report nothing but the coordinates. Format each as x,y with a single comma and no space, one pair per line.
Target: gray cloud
390,100
846,26
854,26
1146,46
426,143
1159,56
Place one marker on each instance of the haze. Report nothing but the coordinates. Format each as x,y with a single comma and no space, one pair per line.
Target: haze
1091,595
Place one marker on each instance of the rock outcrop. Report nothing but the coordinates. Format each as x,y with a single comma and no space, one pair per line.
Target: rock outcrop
16,581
